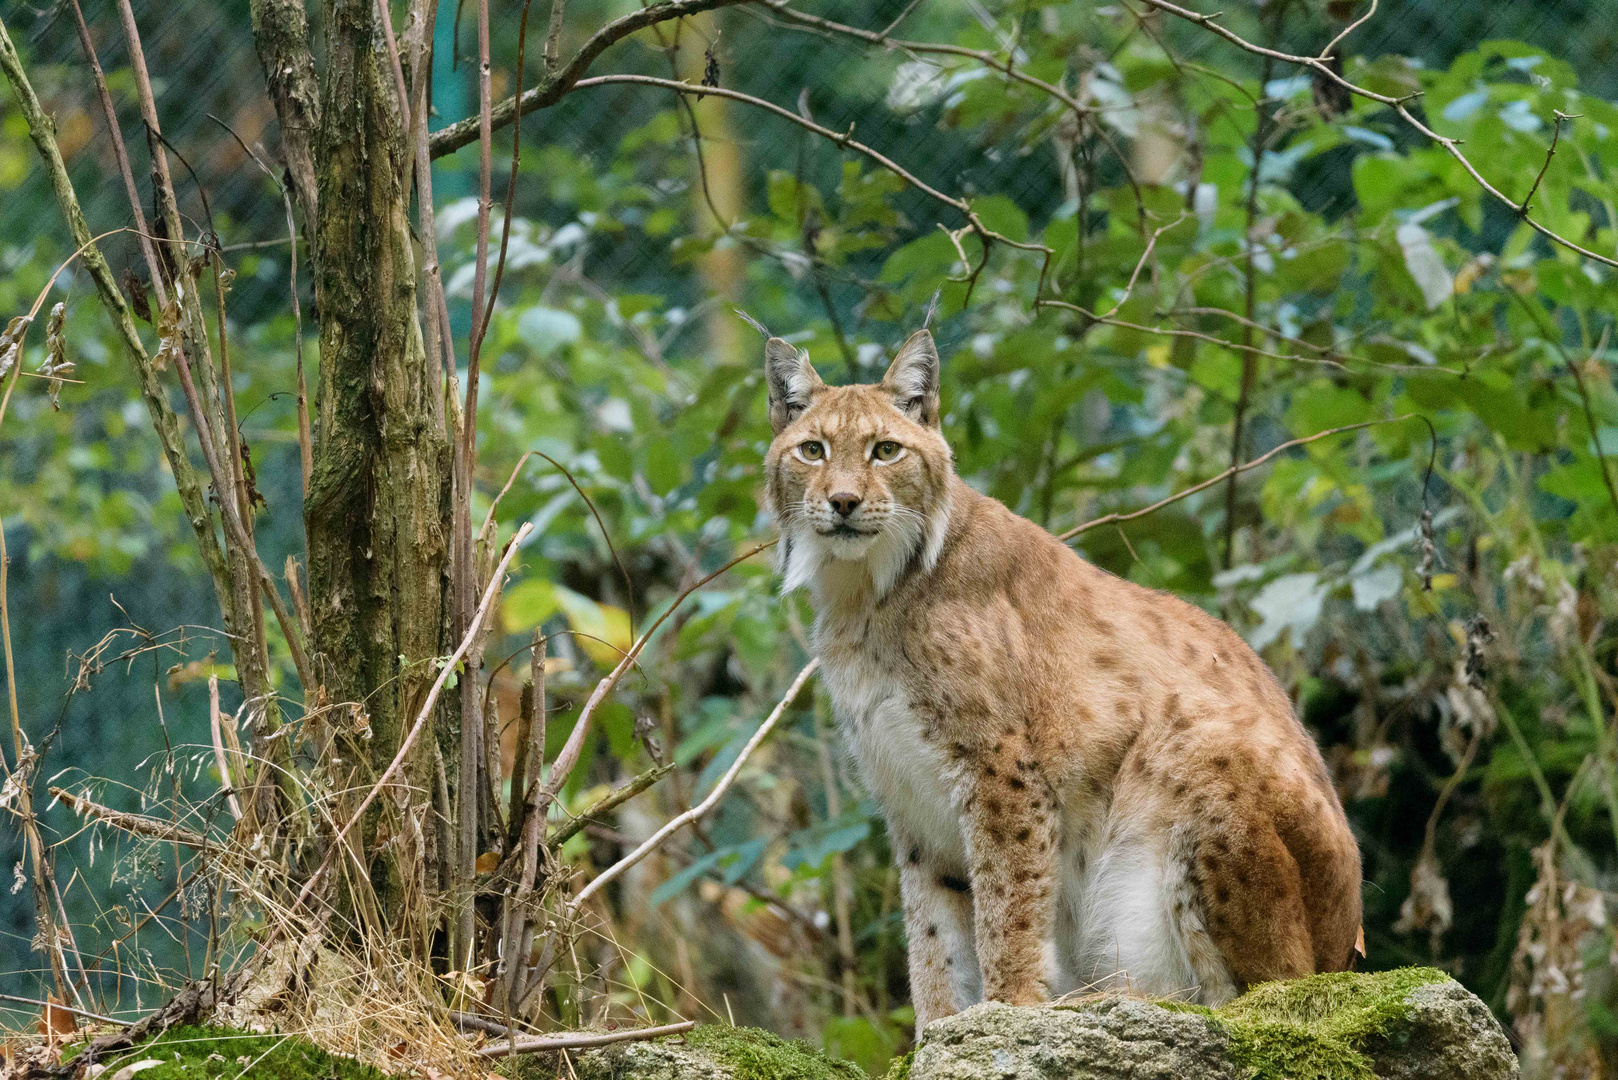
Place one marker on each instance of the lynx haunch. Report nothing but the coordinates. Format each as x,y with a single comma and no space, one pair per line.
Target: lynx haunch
1086,782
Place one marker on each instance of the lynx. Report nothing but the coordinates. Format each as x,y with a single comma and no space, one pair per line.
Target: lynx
1086,783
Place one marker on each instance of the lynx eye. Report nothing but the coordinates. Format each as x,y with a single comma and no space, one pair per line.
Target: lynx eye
886,450
812,450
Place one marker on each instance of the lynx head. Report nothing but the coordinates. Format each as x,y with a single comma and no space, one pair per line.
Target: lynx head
857,474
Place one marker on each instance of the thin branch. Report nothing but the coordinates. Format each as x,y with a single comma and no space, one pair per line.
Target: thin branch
482,328
1556,134
610,801
845,140
135,824
539,1044
216,729
122,154
436,334
1590,419
1003,64
1331,46
569,755
553,38
88,1015
554,87
1110,519
473,761
651,843
306,453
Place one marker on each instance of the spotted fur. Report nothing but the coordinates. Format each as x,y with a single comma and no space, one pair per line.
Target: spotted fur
1086,782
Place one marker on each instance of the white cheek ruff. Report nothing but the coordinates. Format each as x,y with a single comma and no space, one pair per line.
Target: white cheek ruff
798,558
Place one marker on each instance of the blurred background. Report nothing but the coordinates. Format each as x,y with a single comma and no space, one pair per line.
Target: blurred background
1485,797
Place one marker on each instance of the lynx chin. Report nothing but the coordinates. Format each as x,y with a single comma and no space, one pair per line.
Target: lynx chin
1086,783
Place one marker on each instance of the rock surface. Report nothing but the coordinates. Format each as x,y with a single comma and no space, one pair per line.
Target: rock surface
1412,1024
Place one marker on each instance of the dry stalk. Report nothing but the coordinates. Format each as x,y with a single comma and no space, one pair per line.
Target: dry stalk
216,729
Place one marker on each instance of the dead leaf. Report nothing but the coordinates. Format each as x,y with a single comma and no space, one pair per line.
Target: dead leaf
134,1067
488,862
56,1022
1359,941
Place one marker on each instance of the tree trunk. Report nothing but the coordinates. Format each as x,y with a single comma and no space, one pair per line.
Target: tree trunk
377,510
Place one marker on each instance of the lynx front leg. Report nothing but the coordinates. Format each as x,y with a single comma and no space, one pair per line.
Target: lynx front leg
938,924
1009,819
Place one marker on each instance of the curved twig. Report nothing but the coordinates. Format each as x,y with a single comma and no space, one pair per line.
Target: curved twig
675,824
1109,519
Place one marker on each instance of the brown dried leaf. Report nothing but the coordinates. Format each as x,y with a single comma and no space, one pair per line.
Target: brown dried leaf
56,366
488,862
55,1022
136,288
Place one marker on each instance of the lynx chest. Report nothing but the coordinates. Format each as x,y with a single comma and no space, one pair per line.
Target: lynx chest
908,774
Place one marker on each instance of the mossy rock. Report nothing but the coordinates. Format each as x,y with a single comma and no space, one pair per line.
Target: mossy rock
713,1052
1411,1024
213,1053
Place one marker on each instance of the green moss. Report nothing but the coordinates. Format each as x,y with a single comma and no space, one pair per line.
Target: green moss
900,1069
1317,1028
203,1053
751,1054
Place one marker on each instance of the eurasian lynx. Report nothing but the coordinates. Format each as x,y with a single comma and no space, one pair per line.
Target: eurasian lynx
1063,757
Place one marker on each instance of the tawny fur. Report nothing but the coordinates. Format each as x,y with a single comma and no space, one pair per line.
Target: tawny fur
1087,783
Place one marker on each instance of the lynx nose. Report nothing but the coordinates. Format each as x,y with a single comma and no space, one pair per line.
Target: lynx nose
844,503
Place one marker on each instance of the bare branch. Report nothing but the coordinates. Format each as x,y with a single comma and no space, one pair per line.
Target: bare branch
555,87
538,1044
844,140
1109,519
569,755
1331,46
674,825
122,154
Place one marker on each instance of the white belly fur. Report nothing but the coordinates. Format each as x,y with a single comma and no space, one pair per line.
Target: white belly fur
908,775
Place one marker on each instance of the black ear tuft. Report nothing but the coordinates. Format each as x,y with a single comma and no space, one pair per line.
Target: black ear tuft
792,380
912,379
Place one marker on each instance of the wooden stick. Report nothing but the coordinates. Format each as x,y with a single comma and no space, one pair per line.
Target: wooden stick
538,1044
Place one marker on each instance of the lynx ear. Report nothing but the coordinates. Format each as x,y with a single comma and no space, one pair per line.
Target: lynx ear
913,379
792,380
